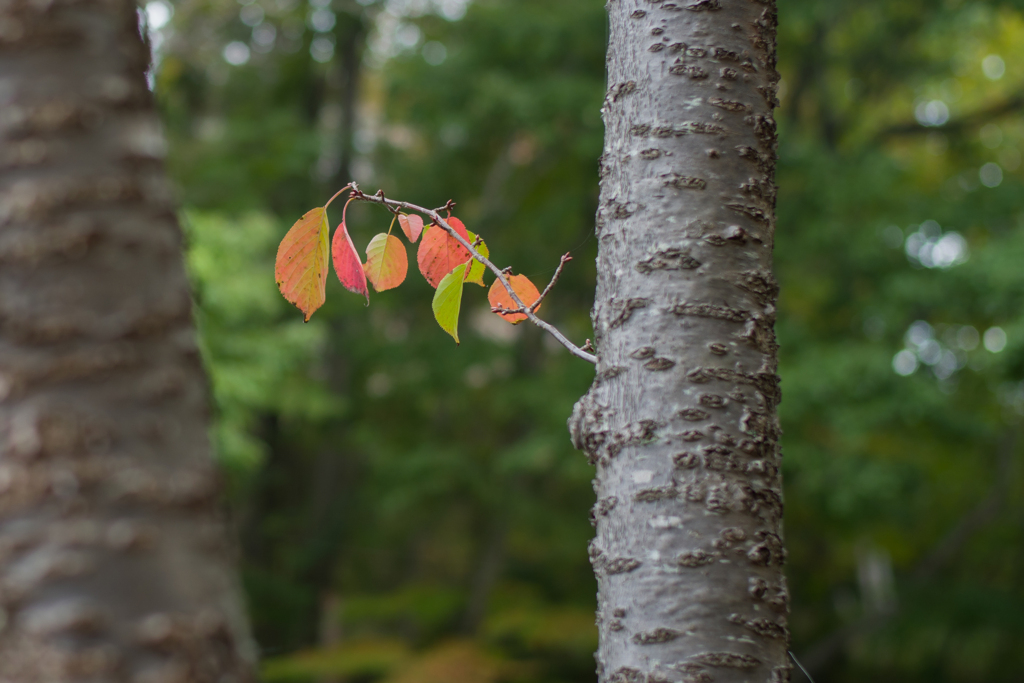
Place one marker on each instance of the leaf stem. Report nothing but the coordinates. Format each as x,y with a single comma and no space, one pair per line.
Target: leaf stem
435,216
344,210
350,186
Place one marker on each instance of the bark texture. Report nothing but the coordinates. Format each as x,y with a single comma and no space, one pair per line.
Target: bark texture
681,419
114,565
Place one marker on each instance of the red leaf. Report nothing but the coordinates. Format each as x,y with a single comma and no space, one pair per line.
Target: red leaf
347,263
386,262
524,289
412,225
301,266
440,253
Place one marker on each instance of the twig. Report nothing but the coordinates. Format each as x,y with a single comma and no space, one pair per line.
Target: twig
435,216
985,512
819,654
558,271
971,120
536,304
505,311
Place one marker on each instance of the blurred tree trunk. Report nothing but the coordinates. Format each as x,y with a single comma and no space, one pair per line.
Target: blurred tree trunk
114,564
681,420
348,66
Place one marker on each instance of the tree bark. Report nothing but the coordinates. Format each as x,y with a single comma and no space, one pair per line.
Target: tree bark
681,419
114,564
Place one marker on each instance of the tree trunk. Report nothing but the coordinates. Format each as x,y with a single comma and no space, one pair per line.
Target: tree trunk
681,419
348,64
113,554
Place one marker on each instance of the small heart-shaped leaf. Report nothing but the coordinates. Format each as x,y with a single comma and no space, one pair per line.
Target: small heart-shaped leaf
412,225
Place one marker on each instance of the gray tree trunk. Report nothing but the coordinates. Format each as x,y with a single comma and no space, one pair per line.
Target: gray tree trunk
681,419
114,564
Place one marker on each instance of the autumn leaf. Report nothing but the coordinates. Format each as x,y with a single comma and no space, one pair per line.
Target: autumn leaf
301,267
475,274
440,253
448,301
347,263
524,289
386,262
412,225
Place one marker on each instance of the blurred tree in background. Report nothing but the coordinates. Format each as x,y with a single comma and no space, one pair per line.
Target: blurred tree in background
414,512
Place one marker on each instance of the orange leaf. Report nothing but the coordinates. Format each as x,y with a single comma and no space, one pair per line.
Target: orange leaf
386,262
412,225
524,289
301,267
440,253
347,264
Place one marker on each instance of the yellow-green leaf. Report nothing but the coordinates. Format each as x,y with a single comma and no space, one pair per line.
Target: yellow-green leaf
448,301
475,274
301,267
386,262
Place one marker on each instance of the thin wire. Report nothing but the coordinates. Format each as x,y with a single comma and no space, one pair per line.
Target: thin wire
797,662
571,251
585,240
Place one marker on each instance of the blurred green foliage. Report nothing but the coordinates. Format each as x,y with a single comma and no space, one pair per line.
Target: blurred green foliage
411,511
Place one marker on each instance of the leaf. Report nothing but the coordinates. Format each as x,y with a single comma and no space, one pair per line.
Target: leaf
440,253
386,262
524,289
412,225
448,301
301,267
475,274
347,263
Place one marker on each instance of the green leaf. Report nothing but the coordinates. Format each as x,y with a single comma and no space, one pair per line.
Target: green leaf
475,274
448,301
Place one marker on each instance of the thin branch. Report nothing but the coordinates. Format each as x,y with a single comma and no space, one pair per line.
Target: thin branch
972,120
984,513
558,272
536,304
822,652
435,216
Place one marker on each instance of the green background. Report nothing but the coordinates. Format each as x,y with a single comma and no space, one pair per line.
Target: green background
411,511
